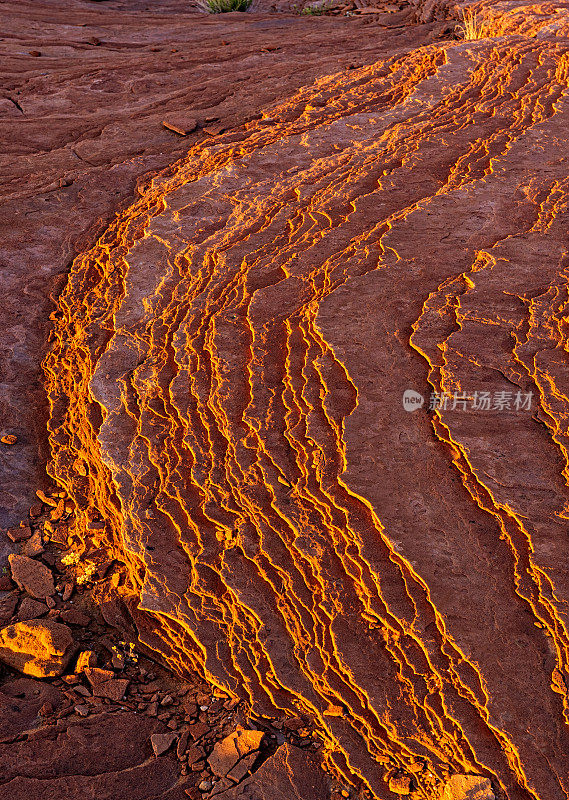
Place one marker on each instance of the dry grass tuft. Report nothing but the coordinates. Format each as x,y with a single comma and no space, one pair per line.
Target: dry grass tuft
473,27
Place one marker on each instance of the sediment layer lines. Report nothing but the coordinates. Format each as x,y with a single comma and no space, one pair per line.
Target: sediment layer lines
226,385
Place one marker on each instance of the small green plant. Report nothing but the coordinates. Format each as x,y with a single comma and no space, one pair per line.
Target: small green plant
316,9
224,6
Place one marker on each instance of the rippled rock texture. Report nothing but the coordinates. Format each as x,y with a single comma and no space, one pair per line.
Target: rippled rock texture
226,387
84,89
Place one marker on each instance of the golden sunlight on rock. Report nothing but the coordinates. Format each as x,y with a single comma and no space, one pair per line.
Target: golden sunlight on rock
308,412
41,648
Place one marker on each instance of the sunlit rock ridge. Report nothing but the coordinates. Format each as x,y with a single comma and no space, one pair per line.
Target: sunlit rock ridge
226,384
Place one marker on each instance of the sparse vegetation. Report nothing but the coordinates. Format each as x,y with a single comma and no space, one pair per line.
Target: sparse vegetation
87,574
315,9
472,26
224,6
70,559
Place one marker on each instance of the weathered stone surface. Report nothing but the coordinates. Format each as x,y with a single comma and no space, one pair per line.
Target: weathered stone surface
230,750
21,701
105,756
82,122
468,787
41,648
243,336
290,774
32,576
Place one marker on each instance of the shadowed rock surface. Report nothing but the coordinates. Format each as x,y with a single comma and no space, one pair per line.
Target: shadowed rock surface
85,88
106,756
226,392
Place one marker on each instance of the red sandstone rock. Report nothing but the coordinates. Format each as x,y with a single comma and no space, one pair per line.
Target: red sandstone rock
21,701
248,329
290,774
32,576
40,648
181,124
72,616
230,750
468,787
161,742
100,756
84,123
31,609
19,534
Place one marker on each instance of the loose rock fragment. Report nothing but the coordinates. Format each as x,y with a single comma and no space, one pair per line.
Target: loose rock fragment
31,609
180,124
32,576
468,787
400,784
230,750
161,742
86,659
38,648
19,534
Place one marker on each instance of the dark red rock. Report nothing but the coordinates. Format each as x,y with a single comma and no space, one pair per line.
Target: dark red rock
290,774
72,616
31,609
102,755
21,702
161,742
181,124
32,576
299,533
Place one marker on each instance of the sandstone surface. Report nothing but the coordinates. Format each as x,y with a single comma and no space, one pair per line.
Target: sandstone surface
287,775
84,90
106,756
226,390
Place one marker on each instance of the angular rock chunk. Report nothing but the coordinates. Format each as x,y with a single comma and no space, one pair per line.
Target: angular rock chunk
32,576
230,750
41,648
162,742
290,774
468,787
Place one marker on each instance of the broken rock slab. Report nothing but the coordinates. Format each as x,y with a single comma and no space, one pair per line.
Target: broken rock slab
41,648
232,749
32,576
180,123
31,609
161,742
290,774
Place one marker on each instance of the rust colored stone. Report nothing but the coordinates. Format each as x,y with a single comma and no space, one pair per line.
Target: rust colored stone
161,742
32,576
232,748
40,648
